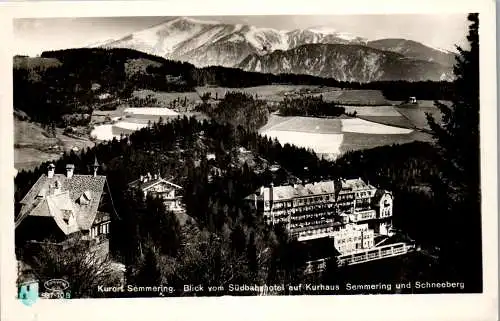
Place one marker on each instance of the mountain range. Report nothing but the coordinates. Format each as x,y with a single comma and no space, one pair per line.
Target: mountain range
317,51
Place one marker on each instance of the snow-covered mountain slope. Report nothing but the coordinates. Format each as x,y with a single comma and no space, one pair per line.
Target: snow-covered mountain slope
205,43
346,63
416,50
208,43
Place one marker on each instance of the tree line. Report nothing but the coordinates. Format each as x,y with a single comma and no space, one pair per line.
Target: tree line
312,106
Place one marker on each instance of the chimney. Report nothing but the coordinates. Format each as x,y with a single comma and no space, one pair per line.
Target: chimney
69,170
141,178
149,176
57,187
95,166
50,170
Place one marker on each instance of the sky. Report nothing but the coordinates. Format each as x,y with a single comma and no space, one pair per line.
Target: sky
34,35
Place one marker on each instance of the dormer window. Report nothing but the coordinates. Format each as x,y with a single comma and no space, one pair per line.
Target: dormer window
66,215
85,198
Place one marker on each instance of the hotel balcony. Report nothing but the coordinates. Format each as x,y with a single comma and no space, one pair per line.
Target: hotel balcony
363,215
314,231
362,256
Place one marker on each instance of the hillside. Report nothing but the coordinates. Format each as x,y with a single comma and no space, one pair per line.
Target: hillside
212,43
353,63
34,144
415,50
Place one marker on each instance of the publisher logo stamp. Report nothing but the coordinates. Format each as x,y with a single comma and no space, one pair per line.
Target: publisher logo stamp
56,289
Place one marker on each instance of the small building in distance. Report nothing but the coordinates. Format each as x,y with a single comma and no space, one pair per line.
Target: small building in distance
155,185
412,100
62,207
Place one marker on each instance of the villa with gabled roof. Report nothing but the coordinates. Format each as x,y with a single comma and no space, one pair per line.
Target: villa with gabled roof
157,186
61,206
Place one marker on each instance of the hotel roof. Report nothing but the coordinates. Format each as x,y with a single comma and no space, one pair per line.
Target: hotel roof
287,192
355,184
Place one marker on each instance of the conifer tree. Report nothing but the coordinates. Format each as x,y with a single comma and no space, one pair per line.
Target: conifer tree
458,133
458,139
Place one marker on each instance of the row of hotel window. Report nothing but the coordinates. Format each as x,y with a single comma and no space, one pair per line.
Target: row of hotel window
301,201
365,194
310,200
306,224
301,223
317,231
99,229
342,200
299,210
355,239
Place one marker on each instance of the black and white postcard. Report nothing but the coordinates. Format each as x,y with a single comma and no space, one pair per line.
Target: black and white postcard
322,157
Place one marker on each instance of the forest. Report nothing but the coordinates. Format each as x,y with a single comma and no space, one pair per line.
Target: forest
310,106
238,109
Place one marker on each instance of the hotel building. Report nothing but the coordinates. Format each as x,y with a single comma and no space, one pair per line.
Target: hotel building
350,211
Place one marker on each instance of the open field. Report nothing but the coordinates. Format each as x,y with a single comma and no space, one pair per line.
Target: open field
29,158
416,115
360,141
372,110
407,116
356,96
279,92
375,125
396,121
304,125
27,133
165,98
357,125
148,111
275,93
331,137
130,120
33,145
320,143
270,92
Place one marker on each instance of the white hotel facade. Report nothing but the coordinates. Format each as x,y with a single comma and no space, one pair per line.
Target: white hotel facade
350,211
